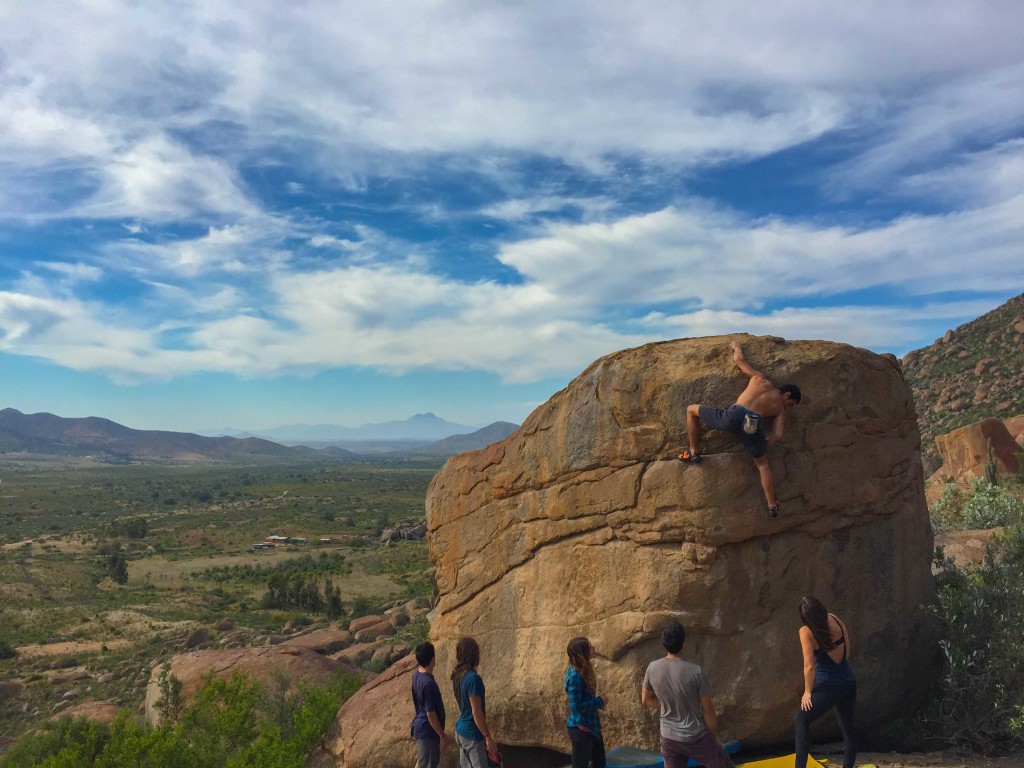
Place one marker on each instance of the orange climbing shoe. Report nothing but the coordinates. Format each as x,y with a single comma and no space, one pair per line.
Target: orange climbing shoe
691,458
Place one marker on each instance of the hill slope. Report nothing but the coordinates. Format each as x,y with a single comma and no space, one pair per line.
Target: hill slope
456,444
49,434
974,371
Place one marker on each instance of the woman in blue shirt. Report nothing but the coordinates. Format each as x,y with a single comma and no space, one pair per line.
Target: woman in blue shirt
471,732
584,723
828,679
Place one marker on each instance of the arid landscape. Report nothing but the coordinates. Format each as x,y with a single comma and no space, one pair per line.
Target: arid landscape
114,574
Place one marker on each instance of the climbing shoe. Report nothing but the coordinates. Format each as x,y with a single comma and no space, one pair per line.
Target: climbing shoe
774,509
692,458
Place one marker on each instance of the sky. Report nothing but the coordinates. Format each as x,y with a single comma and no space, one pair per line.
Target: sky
247,214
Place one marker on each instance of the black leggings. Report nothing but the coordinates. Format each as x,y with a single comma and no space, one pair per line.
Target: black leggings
823,698
587,749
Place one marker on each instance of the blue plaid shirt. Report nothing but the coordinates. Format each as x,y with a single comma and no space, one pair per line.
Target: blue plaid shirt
583,705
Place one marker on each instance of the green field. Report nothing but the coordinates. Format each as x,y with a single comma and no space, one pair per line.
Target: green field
186,534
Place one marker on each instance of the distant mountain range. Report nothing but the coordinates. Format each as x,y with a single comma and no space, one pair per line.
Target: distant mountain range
45,433
424,427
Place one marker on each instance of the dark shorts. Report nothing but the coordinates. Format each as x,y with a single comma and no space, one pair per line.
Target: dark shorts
731,420
706,750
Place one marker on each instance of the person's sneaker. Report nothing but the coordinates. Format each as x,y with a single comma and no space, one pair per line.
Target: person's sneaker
692,458
774,509
750,423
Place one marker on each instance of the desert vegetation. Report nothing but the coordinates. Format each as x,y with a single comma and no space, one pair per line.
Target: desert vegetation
105,569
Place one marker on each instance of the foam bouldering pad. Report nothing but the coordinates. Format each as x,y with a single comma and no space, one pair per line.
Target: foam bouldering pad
785,761
631,757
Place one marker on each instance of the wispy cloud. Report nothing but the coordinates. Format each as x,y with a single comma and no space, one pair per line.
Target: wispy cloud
494,187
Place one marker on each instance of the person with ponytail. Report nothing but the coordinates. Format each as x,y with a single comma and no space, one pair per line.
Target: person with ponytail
471,732
828,679
584,723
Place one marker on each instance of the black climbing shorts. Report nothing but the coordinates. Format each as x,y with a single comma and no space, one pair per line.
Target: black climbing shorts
731,420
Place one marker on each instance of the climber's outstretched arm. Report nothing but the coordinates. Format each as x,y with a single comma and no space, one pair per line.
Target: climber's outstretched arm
741,362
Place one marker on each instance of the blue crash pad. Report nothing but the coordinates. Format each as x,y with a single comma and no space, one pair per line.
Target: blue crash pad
630,757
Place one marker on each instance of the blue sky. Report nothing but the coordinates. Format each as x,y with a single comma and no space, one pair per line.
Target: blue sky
246,214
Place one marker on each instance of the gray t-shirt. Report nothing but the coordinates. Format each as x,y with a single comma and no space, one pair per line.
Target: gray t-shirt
679,685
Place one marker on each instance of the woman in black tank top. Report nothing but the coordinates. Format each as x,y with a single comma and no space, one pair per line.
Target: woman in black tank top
828,679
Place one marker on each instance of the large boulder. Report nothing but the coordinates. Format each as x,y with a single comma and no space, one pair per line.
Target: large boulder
257,663
582,522
966,548
326,641
373,726
965,450
1015,426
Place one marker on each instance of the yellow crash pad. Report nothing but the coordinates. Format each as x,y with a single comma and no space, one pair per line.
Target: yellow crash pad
786,761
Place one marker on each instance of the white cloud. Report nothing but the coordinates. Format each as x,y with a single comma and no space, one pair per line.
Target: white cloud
153,112
979,178
524,208
73,272
682,82
585,290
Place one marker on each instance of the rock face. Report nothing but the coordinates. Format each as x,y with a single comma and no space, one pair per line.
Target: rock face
966,547
582,522
373,726
965,450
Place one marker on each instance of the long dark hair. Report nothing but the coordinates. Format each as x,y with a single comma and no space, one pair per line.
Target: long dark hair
467,656
814,615
578,651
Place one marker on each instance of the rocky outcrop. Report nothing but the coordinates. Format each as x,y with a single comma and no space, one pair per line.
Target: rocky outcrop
261,663
966,548
404,530
583,522
324,641
373,726
1015,426
965,450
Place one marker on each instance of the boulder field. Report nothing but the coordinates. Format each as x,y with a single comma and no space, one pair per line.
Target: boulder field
582,522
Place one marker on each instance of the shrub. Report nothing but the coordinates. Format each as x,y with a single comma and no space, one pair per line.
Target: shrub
981,702
7,651
230,723
984,505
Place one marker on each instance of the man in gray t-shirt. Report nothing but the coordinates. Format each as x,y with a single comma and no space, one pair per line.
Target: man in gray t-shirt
681,691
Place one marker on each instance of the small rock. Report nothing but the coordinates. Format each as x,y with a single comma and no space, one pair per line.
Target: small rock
197,638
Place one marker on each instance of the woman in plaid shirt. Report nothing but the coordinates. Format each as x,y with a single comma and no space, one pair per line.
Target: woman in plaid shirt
584,723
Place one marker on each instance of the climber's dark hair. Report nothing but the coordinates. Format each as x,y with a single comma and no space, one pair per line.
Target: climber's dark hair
673,637
792,390
814,615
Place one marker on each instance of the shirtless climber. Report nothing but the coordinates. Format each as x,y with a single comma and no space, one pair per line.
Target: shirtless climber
760,400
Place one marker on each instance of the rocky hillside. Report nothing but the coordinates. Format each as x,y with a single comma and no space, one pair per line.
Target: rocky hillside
973,372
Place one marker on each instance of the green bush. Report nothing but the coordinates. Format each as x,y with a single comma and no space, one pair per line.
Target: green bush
983,506
230,724
7,651
980,705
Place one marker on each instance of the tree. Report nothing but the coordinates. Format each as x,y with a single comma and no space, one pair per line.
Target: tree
117,568
169,703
